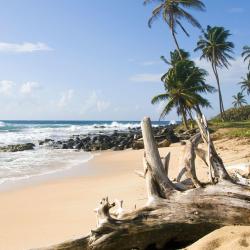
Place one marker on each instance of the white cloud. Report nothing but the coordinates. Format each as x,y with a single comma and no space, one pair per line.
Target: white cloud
232,75
149,63
23,47
102,105
6,87
65,98
94,102
28,87
146,78
236,10
144,63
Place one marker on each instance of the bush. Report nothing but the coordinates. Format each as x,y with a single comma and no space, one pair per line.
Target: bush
236,114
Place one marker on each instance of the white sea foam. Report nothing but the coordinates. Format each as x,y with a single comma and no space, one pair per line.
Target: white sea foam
27,164
22,165
172,122
34,133
2,124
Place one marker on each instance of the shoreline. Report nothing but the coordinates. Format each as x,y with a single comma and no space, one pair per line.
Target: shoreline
61,209
68,170
56,210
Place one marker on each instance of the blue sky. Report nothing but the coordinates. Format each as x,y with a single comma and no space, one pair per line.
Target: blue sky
98,60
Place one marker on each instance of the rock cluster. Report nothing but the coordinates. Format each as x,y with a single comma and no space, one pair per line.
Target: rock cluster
116,140
17,147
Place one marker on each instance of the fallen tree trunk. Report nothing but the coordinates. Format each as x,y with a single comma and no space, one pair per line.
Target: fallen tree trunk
174,215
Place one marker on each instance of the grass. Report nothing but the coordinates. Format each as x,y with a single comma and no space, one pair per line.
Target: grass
230,124
241,133
225,129
231,129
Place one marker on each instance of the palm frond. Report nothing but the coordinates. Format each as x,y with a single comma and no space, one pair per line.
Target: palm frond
159,98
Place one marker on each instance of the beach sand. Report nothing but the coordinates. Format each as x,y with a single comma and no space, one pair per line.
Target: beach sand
226,238
56,210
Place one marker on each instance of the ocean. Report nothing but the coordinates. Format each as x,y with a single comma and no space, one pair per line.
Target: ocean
43,160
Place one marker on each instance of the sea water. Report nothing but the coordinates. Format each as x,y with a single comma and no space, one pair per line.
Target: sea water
43,160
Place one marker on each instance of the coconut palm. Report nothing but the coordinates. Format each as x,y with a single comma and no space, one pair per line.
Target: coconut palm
175,57
239,100
216,49
183,85
245,84
246,54
172,11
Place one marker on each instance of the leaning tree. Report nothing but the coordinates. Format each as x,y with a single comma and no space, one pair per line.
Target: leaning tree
217,49
176,213
173,12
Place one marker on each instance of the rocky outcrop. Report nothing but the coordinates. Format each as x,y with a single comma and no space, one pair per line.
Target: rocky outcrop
17,147
116,140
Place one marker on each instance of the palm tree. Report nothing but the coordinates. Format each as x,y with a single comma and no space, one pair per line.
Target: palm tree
245,84
246,54
183,85
172,11
239,100
175,57
216,49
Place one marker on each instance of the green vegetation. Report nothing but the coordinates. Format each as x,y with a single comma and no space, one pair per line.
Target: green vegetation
239,100
173,11
183,83
245,84
216,49
236,114
230,129
246,55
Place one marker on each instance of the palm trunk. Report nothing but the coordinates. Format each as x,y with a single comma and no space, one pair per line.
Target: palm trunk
184,118
218,82
190,114
176,43
219,90
198,110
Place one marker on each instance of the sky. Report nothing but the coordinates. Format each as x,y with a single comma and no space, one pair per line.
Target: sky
98,60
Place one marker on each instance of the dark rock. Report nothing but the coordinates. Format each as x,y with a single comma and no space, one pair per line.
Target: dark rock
164,143
17,147
46,141
116,140
138,145
64,146
78,146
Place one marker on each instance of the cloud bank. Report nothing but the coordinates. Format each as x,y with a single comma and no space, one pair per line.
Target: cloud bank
28,87
6,87
66,97
23,47
146,78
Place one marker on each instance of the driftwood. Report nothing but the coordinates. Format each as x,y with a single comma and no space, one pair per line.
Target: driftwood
176,213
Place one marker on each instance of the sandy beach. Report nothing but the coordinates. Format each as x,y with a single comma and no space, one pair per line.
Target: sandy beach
55,210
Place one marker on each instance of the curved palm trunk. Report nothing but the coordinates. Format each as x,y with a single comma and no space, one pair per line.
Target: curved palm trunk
184,117
176,43
198,110
190,114
219,91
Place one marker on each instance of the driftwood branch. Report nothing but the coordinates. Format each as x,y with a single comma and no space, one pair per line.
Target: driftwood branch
174,215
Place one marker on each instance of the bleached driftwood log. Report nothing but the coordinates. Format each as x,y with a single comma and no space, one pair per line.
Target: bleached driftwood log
175,214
